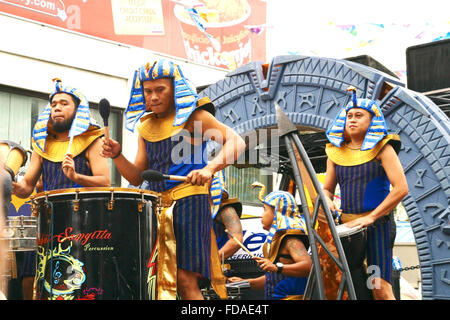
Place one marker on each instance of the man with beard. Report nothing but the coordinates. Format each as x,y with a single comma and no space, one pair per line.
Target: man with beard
66,115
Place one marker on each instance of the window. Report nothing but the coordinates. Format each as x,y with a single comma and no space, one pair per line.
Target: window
115,132
238,183
19,113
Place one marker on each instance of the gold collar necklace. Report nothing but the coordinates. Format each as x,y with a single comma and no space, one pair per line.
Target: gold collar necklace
348,146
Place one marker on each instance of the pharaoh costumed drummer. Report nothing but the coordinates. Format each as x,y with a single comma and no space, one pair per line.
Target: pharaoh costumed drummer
362,159
172,140
66,146
286,261
66,152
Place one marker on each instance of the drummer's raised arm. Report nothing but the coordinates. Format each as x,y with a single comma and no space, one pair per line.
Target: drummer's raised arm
99,167
24,188
130,171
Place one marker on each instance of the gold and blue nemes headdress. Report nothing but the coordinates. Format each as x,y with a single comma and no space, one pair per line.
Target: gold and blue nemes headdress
217,190
287,217
185,94
220,196
377,129
80,124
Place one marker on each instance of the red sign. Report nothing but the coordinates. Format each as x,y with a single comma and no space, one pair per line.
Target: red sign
234,31
51,8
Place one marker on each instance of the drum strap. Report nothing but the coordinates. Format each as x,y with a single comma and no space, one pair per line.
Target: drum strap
166,263
346,217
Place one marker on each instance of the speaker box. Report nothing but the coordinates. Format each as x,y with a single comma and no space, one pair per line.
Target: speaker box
428,66
371,62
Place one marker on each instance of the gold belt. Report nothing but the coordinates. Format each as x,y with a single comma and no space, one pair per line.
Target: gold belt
183,190
166,246
346,217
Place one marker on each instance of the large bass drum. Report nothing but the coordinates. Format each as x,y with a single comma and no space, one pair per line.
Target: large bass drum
95,244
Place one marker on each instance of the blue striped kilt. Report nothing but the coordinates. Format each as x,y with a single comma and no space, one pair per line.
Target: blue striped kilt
379,248
192,224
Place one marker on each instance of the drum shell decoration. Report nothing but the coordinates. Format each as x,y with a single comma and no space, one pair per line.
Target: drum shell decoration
13,155
101,244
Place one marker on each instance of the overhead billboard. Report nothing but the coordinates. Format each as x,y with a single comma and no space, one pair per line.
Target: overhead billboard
224,34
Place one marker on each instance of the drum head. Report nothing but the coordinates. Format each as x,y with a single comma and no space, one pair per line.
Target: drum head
343,230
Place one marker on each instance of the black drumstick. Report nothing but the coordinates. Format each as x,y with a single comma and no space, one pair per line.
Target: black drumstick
104,109
155,176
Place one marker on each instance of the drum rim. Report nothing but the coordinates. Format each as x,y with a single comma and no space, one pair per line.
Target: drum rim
20,238
93,190
20,218
14,145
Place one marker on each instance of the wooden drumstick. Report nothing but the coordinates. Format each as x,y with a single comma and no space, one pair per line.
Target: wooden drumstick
240,244
70,145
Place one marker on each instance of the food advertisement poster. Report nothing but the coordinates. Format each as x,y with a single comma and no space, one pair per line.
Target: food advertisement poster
224,34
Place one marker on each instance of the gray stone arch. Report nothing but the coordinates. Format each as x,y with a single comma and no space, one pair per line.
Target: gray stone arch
311,90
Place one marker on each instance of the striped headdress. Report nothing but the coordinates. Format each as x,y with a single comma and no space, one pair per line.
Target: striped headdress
185,94
377,129
80,124
217,190
220,197
287,215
